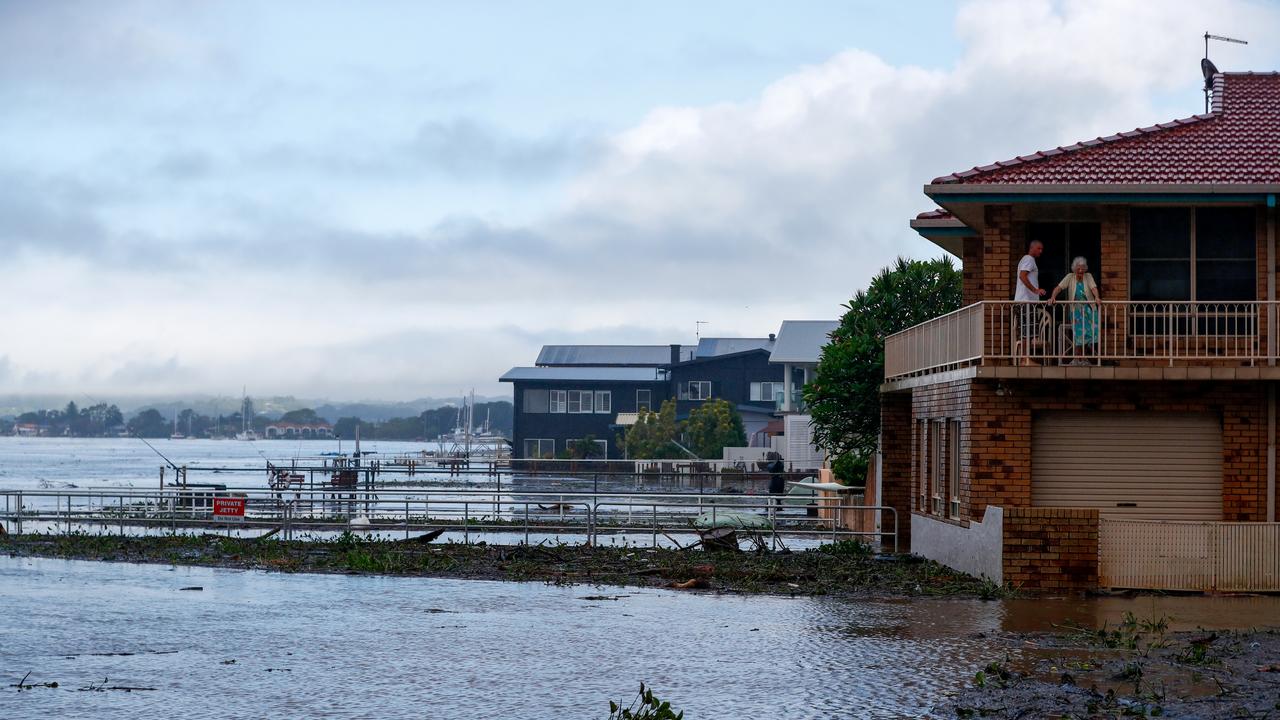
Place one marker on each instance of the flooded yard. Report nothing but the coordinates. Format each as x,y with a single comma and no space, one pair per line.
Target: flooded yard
255,644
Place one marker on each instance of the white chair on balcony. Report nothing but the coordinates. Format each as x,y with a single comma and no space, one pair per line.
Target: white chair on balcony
1032,335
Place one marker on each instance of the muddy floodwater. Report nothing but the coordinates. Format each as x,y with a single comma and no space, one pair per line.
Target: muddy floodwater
255,644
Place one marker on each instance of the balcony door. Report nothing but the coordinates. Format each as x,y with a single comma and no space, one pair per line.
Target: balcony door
1063,242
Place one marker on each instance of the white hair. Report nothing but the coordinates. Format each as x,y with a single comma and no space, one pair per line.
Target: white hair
1078,261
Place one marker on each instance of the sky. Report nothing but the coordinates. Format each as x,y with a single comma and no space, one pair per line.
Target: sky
391,200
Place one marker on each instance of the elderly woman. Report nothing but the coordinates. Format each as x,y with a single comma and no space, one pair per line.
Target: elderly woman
1081,291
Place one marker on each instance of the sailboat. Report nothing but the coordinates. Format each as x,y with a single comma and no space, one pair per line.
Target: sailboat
246,426
175,435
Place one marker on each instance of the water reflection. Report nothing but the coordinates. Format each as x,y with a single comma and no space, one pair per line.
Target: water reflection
352,646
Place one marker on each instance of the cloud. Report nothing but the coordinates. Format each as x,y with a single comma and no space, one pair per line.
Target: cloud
282,263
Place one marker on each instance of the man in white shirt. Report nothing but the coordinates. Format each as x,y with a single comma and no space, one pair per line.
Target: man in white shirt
1027,290
1028,287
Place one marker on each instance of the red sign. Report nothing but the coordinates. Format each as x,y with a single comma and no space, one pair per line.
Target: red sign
228,507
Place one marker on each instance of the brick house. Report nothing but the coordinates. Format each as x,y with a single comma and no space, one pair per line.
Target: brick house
1124,443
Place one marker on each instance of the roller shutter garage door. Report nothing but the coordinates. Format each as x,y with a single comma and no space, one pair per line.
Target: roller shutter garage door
1158,466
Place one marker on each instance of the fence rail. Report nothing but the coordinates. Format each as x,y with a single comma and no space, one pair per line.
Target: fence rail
1085,333
1179,555
464,513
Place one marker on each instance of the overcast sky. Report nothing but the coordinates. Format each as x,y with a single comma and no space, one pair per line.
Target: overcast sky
392,200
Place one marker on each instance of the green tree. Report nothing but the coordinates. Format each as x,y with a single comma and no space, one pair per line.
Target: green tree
303,416
150,423
844,396
713,426
653,435
585,449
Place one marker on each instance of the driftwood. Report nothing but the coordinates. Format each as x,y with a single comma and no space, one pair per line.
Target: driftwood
425,537
104,687
24,685
267,534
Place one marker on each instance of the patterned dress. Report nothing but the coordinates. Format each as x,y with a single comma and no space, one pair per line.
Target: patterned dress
1084,319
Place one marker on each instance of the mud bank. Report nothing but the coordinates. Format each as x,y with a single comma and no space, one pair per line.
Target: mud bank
843,569
1137,668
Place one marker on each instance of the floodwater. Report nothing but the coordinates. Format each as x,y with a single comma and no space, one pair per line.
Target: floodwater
59,463
254,644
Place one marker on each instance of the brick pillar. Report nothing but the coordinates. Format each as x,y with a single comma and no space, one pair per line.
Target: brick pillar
998,249
895,457
999,449
1114,278
972,291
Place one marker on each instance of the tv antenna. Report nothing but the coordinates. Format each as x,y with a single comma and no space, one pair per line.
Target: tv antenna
1208,68
697,328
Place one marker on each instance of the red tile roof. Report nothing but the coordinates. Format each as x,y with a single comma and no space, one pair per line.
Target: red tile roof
1238,142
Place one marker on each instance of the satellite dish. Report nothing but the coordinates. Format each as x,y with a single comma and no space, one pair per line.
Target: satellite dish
1209,69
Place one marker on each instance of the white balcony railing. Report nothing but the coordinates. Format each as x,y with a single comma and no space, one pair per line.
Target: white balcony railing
1079,333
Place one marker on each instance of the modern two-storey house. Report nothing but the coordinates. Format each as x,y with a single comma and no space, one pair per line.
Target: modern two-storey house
1124,441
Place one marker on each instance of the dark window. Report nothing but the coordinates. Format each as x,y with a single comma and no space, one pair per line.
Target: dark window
1064,242
1166,255
1226,246
536,401
1160,253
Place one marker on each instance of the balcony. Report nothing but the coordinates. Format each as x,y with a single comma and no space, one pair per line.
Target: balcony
1110,337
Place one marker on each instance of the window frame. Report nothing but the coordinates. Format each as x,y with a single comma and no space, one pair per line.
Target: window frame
647,404
568,445
540,455
607,397
1193,259
700,384
557,402
580,402
936,466
955,432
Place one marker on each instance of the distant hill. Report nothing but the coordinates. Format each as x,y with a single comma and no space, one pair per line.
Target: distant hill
274,406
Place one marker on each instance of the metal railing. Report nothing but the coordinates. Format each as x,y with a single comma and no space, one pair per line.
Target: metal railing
465,514
1085,333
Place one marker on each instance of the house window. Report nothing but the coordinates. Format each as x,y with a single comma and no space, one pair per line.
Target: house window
1204,254
953,467
936,475
922,466
699,390
766,391
644,400
604,401
1226,246
558,402
1063,242
539,448
536,401
601,451
580,401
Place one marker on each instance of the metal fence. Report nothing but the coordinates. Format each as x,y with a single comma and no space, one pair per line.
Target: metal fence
465,514
1088,333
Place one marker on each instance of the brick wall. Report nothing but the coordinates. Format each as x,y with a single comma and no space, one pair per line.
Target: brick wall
895,458
971,289
1051,549
997,251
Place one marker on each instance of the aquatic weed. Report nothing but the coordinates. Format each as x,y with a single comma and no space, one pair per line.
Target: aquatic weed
645,706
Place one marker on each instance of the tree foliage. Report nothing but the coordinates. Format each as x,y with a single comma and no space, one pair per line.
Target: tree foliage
844,396
652,435
713,426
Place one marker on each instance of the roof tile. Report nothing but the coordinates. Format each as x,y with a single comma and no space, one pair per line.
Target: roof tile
1237,143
